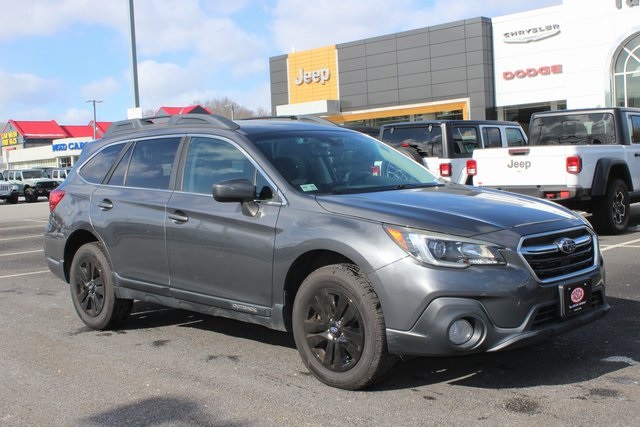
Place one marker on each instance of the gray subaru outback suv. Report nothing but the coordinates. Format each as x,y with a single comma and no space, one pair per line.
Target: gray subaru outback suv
359,251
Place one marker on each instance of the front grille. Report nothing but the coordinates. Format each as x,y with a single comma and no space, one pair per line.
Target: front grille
548,261
47,185
551,313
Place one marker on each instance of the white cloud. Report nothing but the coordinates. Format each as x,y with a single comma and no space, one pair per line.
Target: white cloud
337,21
46,17
76,116
100,89
162,84
27,88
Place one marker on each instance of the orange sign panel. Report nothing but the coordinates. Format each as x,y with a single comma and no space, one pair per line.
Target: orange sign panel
313,75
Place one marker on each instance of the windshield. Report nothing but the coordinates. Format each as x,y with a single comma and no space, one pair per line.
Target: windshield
335,162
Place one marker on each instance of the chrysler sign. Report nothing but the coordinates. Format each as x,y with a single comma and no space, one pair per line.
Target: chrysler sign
533,34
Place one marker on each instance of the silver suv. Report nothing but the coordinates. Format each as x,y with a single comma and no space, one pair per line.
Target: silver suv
326,232
31,183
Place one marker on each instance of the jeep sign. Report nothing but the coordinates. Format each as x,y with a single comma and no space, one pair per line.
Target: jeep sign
317,76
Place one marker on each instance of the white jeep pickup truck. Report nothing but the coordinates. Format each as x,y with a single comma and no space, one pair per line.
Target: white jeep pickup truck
585,159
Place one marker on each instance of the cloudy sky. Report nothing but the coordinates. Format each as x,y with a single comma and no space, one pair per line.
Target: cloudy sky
57,54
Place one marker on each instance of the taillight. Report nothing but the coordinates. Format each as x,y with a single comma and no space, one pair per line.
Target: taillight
445,169
54,198
574,164
472,167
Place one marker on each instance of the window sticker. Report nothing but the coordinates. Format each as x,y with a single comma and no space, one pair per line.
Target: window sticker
308,187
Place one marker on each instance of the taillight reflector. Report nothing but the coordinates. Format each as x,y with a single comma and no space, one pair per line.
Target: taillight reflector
472,167
445,169
54,198
574,164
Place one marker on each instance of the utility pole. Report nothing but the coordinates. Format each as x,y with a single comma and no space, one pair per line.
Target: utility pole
94,102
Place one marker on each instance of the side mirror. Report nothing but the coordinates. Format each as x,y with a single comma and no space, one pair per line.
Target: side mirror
234,190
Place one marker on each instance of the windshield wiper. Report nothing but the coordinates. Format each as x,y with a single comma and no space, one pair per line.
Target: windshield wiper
420,185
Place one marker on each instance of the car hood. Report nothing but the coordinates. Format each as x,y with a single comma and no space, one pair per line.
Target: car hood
454,209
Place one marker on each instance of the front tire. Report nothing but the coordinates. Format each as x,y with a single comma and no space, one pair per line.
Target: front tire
92,290
30,195
611,211
339,328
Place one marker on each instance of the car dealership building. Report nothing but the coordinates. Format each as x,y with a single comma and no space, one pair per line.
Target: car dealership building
581,53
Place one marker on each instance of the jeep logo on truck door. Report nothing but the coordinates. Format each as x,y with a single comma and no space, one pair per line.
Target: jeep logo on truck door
522,164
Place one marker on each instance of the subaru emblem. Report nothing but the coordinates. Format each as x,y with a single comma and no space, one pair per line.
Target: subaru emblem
566,245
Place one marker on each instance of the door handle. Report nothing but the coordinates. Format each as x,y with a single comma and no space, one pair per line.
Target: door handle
178,217
105,205
637,154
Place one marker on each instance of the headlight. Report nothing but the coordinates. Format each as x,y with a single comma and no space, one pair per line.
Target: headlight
446,251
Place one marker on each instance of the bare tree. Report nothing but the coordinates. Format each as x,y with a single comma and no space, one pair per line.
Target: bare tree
232,110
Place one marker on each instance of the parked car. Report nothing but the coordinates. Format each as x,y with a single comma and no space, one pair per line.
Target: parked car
323,231
445,145
58,174
584,159
31,183
8,191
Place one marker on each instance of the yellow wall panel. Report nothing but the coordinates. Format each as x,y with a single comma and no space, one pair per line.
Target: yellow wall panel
313,75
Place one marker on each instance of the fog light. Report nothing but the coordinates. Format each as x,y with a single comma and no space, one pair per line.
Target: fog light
460,331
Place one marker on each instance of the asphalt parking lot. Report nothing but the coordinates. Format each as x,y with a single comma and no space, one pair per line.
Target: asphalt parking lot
171,367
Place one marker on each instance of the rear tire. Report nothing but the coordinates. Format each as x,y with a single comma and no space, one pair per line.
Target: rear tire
339,328
92,290
611,211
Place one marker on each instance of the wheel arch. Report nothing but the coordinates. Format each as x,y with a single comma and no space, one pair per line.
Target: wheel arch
606,170
300,269
74,242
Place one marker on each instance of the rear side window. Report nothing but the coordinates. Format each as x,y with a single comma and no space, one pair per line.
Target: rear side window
97,167
634,129
573,129
515,138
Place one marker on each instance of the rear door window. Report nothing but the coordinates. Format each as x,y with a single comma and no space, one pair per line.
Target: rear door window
97,167
152,162
464,140
491,137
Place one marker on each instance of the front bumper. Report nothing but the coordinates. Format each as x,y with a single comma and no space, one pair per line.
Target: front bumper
429,336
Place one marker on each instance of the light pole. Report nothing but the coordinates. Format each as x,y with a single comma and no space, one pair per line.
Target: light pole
233,110
94,102
134,56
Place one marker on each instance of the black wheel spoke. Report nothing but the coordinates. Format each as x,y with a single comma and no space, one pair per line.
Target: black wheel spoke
354,340
329,355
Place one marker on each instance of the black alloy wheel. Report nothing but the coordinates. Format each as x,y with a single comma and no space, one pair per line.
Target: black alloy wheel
339,328
333,330
92,289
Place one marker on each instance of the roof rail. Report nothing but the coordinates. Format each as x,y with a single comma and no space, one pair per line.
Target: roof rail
125,126
302,118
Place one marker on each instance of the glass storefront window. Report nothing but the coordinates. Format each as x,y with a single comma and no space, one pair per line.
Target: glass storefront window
627,74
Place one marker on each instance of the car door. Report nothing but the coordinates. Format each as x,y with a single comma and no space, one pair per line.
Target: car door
220,254
128,212
633,126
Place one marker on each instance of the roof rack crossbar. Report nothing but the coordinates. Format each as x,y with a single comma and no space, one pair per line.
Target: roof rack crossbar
130,125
